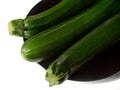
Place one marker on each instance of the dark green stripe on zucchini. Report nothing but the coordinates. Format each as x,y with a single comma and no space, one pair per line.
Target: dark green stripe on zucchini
90,45
58,38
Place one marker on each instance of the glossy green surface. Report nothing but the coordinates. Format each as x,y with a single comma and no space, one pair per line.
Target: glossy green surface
82,51
58,38
56,14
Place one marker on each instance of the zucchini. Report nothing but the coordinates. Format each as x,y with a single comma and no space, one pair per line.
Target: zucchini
93,43
58,13
56,39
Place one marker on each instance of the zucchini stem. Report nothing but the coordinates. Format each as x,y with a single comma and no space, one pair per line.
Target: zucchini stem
55,78
16,27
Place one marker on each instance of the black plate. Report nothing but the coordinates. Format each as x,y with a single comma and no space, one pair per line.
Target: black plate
102,66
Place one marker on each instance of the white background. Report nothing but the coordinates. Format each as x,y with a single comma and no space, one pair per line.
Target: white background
19,74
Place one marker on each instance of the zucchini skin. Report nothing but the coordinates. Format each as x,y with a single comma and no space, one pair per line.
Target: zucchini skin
30,33
58,38
56,14
90,45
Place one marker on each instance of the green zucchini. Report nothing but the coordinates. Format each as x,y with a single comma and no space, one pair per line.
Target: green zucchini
82,51
56,39
58,13
51,16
